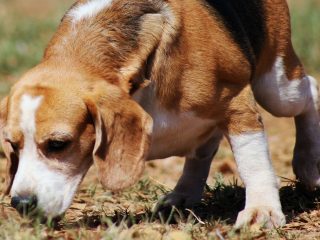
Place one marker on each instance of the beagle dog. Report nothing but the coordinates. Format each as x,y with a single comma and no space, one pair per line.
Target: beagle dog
122,82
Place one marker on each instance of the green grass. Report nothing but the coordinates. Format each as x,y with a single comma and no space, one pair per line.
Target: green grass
306,34
23,43
24,38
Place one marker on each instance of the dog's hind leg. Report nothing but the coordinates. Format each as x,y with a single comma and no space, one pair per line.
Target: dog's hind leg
189,188
286,91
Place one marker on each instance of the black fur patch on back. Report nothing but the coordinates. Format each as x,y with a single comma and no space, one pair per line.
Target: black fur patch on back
245,20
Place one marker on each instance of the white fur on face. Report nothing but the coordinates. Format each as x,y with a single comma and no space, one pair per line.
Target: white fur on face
252,156
88,10
53,190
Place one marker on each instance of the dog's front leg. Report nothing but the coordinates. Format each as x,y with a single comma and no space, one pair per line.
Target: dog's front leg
244,130
262,197
189,188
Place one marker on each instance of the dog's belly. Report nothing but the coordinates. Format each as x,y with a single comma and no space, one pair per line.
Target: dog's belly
178,134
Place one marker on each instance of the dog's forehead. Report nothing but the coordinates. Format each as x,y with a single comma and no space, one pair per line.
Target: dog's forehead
50,109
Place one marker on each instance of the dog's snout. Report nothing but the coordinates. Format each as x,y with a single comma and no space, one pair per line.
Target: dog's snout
24,205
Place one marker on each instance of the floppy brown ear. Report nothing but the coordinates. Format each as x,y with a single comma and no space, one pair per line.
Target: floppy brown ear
137,68
12,159
123,132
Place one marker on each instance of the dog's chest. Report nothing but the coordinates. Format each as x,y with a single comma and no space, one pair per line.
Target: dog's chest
174,134
177,134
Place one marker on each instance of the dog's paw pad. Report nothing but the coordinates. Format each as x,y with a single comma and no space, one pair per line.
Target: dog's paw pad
265,217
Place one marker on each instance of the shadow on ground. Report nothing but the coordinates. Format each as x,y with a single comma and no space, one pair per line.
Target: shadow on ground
220,203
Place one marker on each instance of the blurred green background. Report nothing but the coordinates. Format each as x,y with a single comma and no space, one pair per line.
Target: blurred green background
27,25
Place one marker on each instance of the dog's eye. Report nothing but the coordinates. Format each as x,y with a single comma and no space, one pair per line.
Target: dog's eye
57,146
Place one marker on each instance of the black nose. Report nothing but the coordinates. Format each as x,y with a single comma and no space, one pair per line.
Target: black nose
24,205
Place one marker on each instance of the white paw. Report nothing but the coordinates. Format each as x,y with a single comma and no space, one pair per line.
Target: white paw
178,200
267,217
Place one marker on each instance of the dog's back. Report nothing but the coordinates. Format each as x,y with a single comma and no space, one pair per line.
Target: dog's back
245,21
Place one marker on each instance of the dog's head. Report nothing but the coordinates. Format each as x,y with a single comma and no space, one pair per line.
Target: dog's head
75,108
53,130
